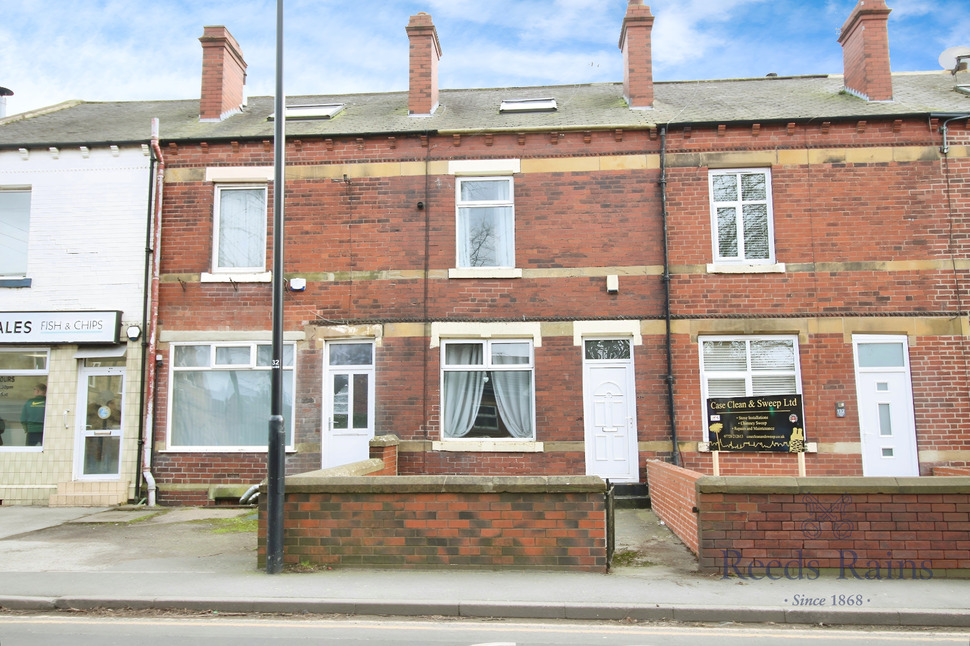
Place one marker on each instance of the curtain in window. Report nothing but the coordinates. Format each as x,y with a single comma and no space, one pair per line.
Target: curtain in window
225,408
463,390
513,395
242,226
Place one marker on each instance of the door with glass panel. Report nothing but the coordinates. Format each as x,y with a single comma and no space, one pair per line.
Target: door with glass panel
610,410
348,392
886,418
99,421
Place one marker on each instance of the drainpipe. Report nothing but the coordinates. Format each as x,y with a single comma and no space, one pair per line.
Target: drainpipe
144,319
666,278
150,344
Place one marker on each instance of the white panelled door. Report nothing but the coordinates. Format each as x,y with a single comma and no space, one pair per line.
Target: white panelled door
610,410
885,394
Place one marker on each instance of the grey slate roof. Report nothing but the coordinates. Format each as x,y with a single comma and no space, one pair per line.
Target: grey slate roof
592,106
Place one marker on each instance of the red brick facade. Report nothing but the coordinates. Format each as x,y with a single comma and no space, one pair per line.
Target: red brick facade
869,231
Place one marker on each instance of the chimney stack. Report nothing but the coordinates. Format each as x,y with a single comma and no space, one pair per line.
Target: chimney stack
223,75
423,74
4,93
637,57
865,51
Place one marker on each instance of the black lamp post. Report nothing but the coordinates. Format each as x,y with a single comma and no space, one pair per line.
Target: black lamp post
276,465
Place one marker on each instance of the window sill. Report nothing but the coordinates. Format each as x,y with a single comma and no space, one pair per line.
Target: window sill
485,272
490,446
746,268
262,277
14,282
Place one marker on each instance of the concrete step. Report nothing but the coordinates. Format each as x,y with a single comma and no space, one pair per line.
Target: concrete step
89,494
631,496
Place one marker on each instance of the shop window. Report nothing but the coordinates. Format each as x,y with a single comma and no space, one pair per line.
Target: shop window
23,398
221,396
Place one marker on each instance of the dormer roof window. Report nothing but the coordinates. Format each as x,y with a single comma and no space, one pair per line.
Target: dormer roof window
312,111
528,105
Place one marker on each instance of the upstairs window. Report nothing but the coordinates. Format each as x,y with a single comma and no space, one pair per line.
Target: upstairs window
239,228
486,222
14,228
741,216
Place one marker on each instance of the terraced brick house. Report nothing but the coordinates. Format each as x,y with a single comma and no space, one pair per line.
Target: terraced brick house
568,279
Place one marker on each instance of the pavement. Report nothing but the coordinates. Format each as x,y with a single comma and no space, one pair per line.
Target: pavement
204,560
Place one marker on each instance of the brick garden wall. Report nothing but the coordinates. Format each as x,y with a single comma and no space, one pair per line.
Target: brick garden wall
857,528
852,528
443,521
673,498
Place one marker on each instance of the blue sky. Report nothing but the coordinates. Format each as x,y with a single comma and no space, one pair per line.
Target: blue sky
106,50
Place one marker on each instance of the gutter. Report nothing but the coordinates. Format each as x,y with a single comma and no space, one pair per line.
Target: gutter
947,117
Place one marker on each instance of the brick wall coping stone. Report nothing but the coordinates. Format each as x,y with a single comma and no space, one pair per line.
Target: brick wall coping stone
323,482
360,468
385,440
848,485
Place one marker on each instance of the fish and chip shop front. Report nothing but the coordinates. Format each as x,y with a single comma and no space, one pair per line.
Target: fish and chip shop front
70,408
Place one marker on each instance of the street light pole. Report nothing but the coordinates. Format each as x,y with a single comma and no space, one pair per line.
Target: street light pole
276,465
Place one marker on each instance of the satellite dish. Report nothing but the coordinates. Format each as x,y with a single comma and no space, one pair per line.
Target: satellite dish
948,59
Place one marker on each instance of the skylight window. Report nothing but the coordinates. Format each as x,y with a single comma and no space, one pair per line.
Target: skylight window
312,111
528,105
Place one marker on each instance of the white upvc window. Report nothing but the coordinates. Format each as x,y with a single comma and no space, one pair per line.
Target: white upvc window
748,366
239,228
485,222
487,389
742,366
14,230
221,393
741,216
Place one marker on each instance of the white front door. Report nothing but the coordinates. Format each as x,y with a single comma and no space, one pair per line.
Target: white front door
348,392
610,410
886,418
100,401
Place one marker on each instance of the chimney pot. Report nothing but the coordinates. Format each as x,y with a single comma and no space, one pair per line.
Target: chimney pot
637,56
223,75
865,51
425,51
